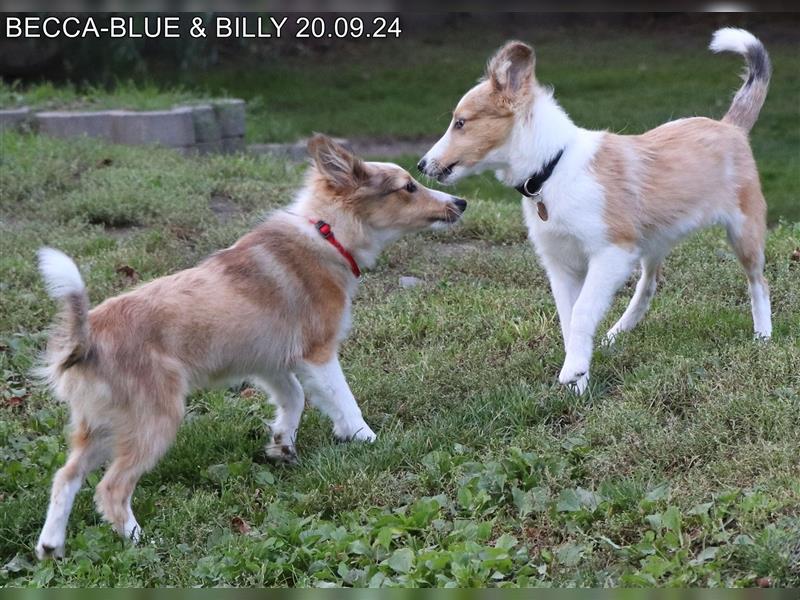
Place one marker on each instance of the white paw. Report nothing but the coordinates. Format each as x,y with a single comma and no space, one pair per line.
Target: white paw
579,386
359,431
576,378
365,434
282,453
132,531
611,336
49,548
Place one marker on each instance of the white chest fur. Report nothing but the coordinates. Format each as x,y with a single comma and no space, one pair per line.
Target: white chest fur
575,227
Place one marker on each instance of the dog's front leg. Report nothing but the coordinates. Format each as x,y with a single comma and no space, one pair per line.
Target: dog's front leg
565,286
607,271
327,389
287,396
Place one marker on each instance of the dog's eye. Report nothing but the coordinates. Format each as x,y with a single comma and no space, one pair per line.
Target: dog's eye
411,187
458,124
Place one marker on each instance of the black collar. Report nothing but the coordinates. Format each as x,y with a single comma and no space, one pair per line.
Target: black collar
532,186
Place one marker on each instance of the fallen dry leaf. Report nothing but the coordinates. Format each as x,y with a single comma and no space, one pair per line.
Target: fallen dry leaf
796,255
128,273
15,401
185,234
239,525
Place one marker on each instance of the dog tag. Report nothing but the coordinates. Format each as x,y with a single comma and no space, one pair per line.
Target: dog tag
542,210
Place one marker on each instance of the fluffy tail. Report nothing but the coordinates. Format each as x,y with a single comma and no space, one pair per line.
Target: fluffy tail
69,341
750,98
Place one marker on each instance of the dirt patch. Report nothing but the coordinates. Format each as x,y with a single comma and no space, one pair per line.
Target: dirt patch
122,231
454,249
387,146
10,222
223,207
372,147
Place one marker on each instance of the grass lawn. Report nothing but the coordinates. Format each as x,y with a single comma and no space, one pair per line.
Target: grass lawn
625,80
679,468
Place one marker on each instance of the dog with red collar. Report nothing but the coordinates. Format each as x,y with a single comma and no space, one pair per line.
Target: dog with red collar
271,309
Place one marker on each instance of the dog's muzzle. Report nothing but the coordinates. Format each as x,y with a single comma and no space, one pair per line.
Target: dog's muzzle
455,209
434,170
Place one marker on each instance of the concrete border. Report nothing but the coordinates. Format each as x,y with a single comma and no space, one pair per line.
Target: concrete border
172,128
231,116
67,124
295,151
216,126
207,128
14,118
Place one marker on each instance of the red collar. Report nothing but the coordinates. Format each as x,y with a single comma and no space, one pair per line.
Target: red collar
326,232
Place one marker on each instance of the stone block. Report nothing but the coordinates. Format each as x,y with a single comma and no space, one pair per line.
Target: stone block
231,116
68,124
409,282
206,125
14,118
172,128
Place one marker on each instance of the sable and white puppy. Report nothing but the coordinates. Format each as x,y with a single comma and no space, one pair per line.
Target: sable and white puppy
272,308
597,203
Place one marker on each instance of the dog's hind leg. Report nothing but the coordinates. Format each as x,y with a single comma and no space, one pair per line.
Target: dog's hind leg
328,390
138,447
640,303
746,236
287,395
87,452
608,270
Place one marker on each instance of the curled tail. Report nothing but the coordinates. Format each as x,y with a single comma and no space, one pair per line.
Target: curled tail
69,341
750,98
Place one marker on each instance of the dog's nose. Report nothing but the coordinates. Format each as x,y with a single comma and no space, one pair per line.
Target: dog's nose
461,204
421,165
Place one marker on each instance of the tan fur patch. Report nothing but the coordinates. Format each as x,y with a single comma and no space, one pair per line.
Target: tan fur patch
488,120
79,442
680,172
749,243
382,201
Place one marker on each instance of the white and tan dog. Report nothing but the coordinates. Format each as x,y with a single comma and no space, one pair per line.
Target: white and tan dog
272,308
597,203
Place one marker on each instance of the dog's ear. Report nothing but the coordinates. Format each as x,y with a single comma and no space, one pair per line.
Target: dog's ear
337,164
510,70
